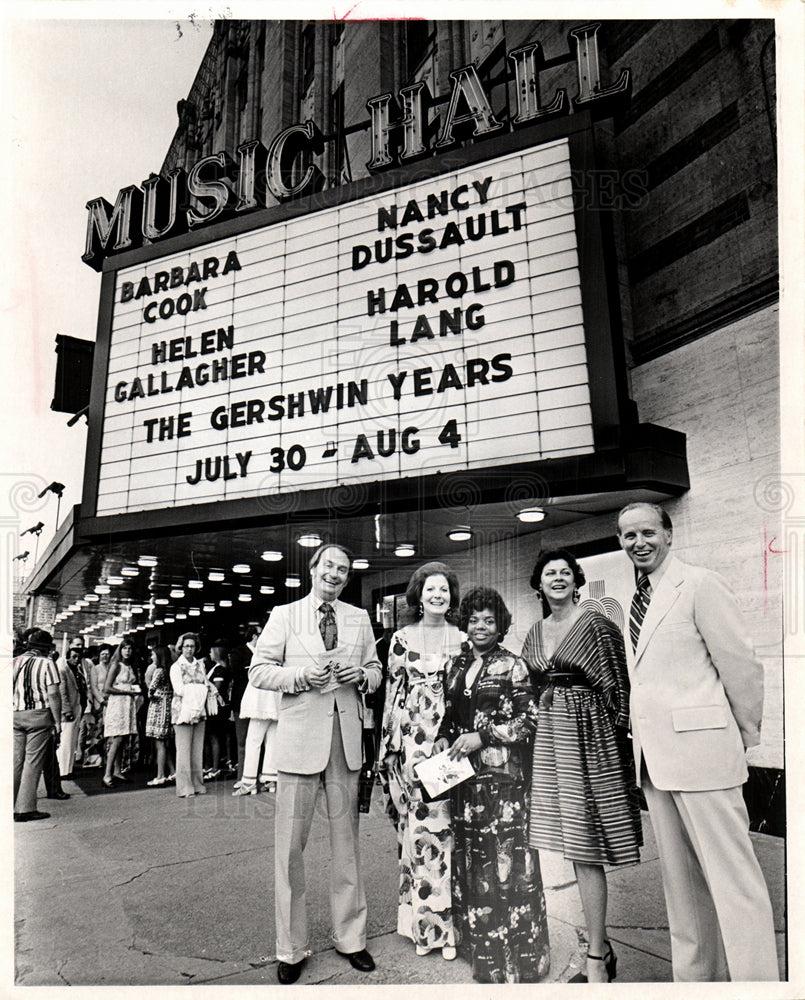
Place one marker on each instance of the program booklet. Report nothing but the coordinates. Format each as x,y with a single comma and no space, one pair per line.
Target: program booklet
438,774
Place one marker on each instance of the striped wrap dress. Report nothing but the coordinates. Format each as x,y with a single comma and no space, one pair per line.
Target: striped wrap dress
584,800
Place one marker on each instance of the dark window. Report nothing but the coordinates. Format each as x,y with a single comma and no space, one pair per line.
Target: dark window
417,39
308,55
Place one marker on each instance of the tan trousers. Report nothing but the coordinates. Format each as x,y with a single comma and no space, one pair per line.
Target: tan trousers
719,913
296,800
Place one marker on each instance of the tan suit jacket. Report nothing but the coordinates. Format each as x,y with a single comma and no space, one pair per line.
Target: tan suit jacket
288,645
697,687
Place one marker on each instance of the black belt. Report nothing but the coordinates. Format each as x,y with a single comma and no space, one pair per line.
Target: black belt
566,678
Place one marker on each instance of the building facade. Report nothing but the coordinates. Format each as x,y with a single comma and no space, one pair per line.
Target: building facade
423,275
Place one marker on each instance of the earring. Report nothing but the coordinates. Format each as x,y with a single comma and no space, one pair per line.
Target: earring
576,596
421,610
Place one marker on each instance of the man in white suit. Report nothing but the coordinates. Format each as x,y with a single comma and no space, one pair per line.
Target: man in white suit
320,653
696,705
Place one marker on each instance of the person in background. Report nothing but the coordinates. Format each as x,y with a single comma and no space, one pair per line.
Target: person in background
85,720
490,717
50,770
320,653
218,724
95,753
188,715
158,721
240,659
123,692
37,716
697,703
414,709
259,709
73,700
583,798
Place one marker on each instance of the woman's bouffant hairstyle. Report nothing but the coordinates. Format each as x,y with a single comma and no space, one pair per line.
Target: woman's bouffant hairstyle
549,555
413,593
184,637
479,599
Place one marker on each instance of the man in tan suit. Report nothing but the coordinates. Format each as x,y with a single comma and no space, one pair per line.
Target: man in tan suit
320,653
696,705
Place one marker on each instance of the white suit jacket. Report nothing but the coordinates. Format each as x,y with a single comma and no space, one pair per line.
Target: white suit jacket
697,687
288,645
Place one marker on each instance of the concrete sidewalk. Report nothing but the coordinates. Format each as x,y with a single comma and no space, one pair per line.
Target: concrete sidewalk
138,887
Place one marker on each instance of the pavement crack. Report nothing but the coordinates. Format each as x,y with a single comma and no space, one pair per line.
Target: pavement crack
183,861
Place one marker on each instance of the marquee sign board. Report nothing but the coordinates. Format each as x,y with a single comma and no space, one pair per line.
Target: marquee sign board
434,327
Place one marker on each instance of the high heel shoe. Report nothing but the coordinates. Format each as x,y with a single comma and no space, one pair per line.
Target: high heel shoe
246,789
107,782
610,960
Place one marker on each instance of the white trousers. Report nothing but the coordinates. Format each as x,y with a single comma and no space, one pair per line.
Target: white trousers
296,800
719,913
260,734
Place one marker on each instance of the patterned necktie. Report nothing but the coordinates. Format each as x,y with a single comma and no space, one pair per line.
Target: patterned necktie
640,602
327,626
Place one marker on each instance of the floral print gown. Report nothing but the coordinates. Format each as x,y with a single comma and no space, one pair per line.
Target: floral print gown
498,902
413,715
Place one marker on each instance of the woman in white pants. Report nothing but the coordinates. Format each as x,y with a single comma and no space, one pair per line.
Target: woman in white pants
261,709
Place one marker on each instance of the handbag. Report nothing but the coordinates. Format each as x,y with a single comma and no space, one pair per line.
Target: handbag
194,698
212,702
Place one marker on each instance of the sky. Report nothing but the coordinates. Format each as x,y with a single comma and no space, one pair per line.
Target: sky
88,107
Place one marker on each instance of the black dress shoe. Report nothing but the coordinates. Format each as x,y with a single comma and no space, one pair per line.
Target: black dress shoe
27,817
61,796
288,972
360,960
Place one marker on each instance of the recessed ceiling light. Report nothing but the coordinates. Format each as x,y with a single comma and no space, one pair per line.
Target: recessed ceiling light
292,580
271,555
92,598
360,564
180,616
147,561
130,571
404,550
195,584
531,515
161,600
241,568
461,533
225,603
266,588
215,575
208,608
177,593
102,588
309,541
169,620
244,597
136,609
194,612
114,580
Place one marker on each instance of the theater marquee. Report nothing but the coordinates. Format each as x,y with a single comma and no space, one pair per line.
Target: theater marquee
435,327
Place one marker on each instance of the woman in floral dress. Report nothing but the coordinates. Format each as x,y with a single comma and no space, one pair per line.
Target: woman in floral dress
412,717
490,717
158,723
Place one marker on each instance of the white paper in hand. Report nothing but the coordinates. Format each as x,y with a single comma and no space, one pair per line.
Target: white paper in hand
439,773
330,659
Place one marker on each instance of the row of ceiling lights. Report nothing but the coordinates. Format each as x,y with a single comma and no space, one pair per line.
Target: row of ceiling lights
403,550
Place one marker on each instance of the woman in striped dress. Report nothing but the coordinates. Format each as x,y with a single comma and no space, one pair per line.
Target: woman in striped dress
583,795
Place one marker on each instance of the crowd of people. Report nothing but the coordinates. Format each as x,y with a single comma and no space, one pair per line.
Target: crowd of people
559,738
126,711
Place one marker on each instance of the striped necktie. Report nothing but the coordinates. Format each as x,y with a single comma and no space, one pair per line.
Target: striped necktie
640,602
327,626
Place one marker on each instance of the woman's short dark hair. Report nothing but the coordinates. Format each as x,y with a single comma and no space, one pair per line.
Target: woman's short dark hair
481,599
413,592
549,555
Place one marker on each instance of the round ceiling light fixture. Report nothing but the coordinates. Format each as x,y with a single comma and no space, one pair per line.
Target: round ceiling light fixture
147,561
271,555
405,550
310,540
461,533
195,584
241,568
266,588
360,564
215,575
292,581
530,515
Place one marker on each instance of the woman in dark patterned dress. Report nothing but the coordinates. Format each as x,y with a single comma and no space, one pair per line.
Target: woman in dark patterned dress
498,903
158,722
412,716
583,794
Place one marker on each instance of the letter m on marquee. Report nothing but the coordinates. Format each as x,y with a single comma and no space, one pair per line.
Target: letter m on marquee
105,221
